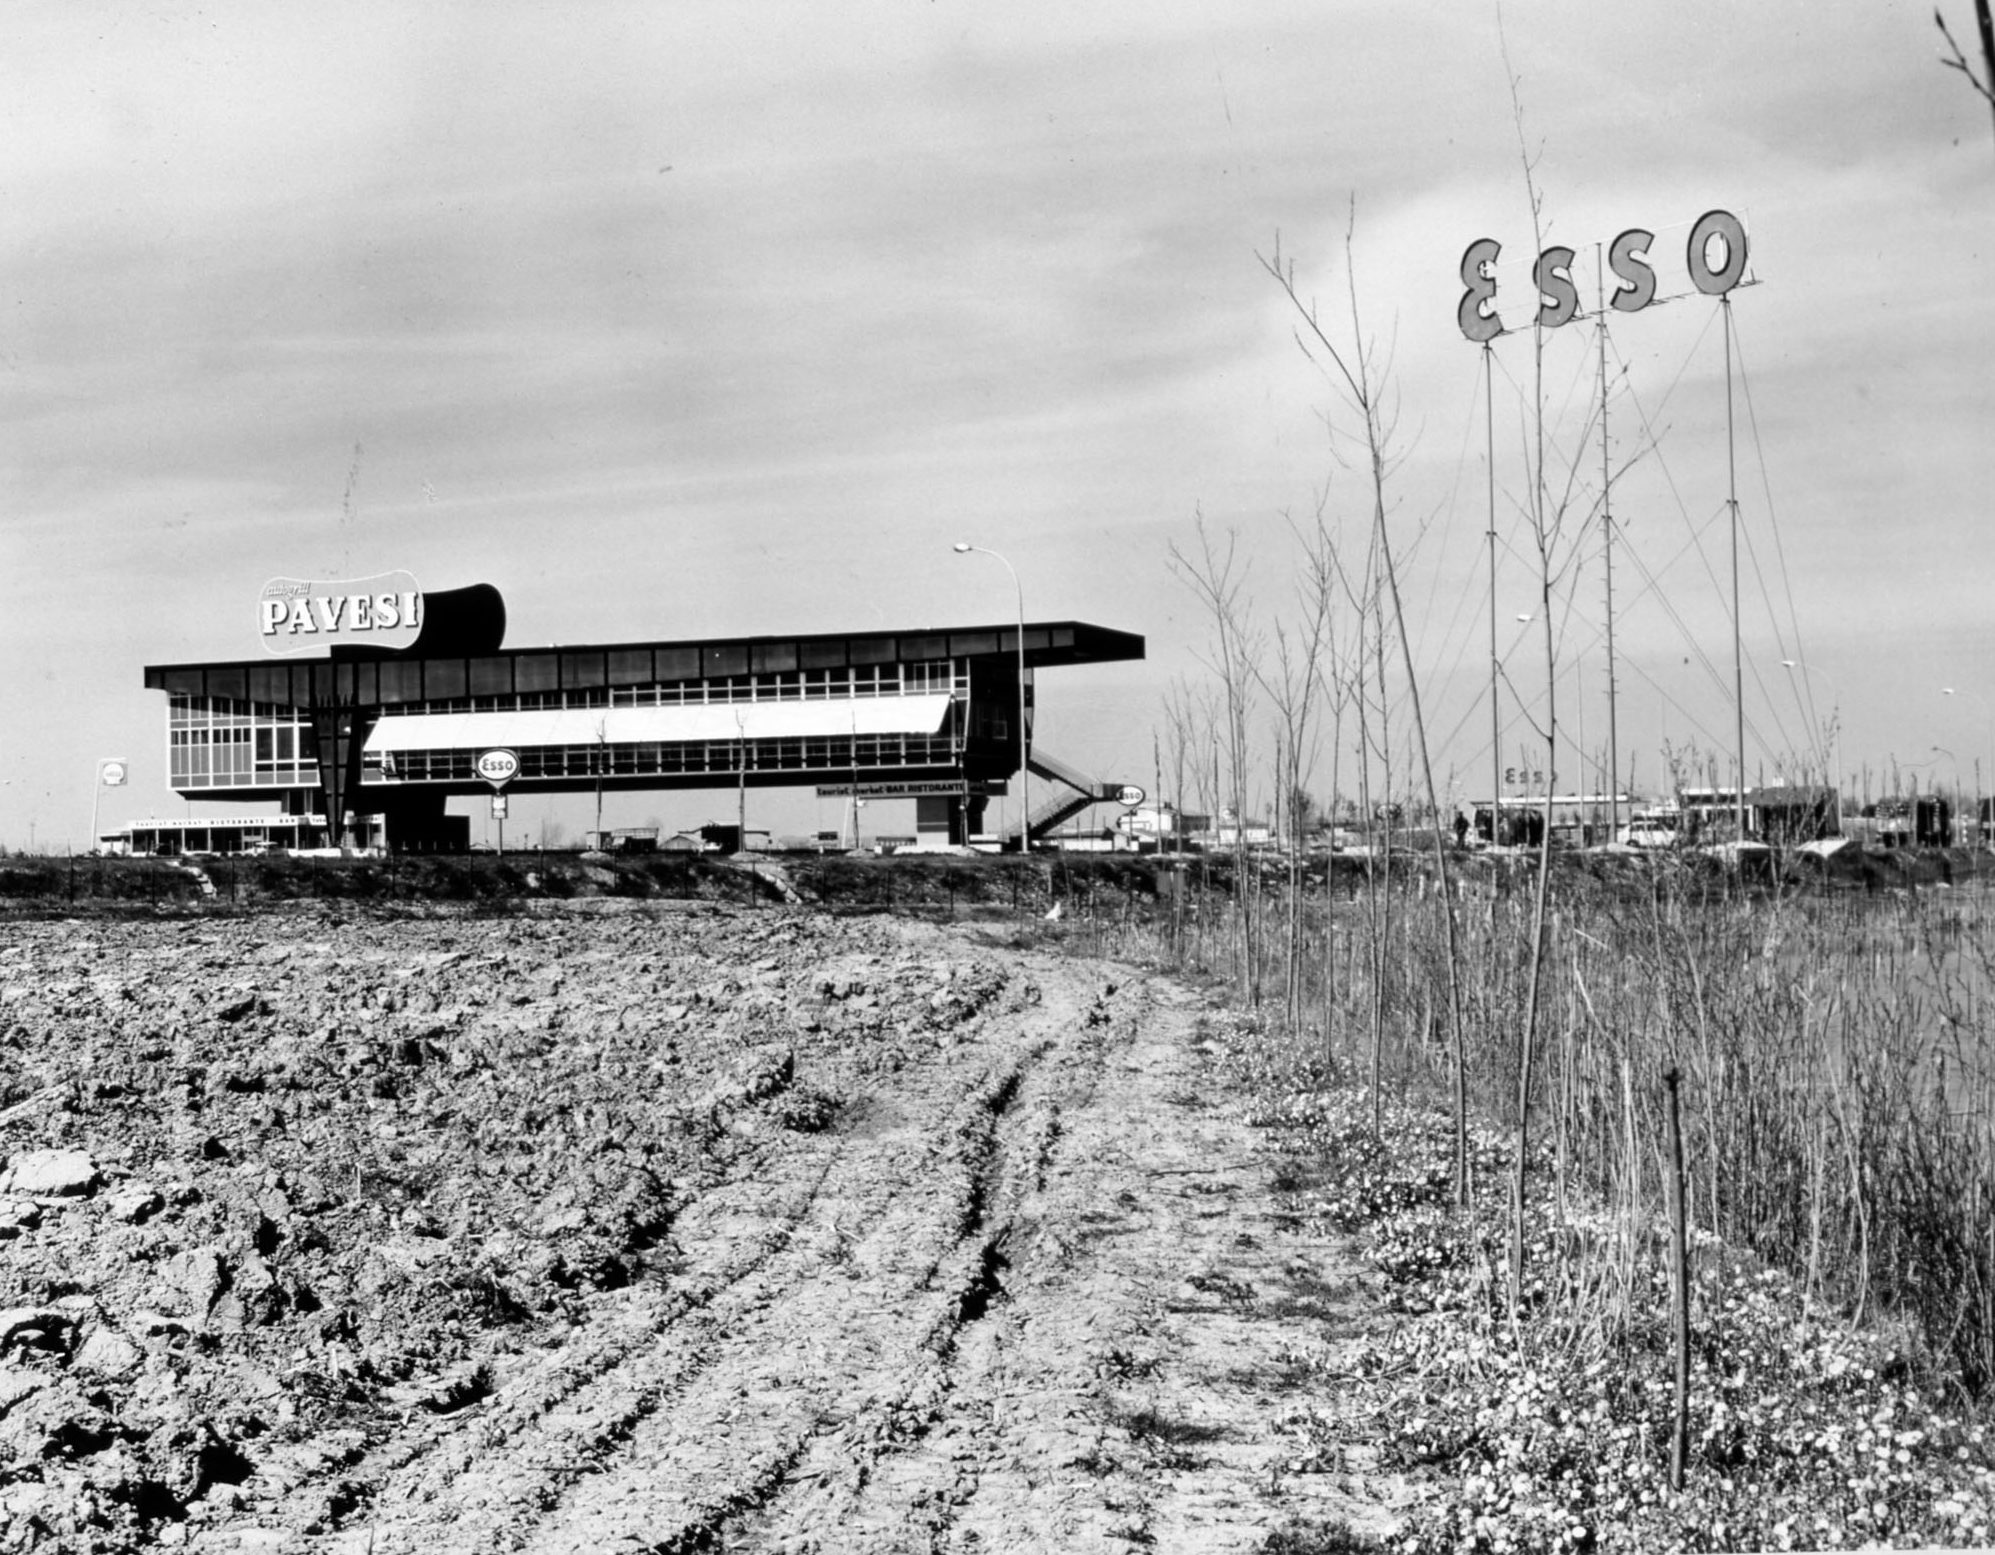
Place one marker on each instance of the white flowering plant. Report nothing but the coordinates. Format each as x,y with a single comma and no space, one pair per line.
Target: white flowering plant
1546,1424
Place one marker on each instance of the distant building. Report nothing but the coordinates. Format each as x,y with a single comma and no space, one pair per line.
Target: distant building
1781,814
930,715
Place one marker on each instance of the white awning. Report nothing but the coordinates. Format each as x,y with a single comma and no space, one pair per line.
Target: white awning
664,725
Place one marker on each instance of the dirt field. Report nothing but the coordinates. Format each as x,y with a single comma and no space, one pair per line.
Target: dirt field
619,1227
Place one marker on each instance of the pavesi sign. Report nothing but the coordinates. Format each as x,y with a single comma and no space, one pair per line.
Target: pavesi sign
295,614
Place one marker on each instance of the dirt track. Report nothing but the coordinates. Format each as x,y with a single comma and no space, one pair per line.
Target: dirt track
795,1234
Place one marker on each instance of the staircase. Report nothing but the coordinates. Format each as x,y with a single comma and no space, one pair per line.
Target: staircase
1080,792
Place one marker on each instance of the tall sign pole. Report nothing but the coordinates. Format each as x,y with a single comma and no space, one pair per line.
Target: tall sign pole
111,773
498,768
1607,535
1495,661
1716,258
1738,634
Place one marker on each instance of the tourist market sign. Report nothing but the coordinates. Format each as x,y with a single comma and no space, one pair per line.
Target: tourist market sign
1715,257
385,611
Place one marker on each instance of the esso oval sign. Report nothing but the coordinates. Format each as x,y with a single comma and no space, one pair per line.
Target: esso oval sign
497,767
1129,794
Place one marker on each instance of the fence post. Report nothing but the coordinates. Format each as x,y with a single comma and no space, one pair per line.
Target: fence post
1679,1285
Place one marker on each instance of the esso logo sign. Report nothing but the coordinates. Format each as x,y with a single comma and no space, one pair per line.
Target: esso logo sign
1129,794
497,767
1715,257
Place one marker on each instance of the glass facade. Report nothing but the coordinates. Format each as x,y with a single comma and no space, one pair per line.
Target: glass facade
867,680
396,681
226,742
217,742
720,759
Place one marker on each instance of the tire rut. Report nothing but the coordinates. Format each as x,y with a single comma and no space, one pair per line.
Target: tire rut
783,1402
900,1483
978,1316
891,1213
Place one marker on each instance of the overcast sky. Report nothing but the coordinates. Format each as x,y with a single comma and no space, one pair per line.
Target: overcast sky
701,320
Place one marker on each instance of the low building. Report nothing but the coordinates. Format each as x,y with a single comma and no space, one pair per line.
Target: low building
235,834
1780,815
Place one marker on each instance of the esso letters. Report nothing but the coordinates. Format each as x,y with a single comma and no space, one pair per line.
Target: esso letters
1627,259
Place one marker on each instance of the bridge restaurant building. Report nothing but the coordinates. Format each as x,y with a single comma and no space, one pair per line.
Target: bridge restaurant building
929,713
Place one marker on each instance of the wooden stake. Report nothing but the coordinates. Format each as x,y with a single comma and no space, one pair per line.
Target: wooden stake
1679,1286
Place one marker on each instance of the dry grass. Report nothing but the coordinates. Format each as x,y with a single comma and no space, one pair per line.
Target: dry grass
1838,1112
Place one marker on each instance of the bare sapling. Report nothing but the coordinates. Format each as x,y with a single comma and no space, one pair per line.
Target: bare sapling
1217,578
1292,683
1356,368
1324,580
1547,520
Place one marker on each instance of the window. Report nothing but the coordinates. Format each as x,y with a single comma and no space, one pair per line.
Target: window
536,672
444,678
401,680
630,666
677,663
491,677
581,669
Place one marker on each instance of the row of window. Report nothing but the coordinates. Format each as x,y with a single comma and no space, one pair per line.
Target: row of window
377,682
227,764
224,710
865,680
868,680
831,756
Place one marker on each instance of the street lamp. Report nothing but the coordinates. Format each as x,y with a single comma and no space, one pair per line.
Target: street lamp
1939,793
964,548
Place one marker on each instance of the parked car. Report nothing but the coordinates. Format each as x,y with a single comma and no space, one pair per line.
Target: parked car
1647,834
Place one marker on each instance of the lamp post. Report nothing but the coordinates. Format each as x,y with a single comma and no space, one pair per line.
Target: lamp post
1808,673
964,548
1954,762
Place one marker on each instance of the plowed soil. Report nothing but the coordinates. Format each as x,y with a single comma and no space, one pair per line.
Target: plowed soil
621,1228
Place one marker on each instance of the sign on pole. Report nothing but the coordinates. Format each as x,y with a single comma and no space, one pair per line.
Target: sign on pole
499,807
910,789
111,773
497,767
1715,259
1129,794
